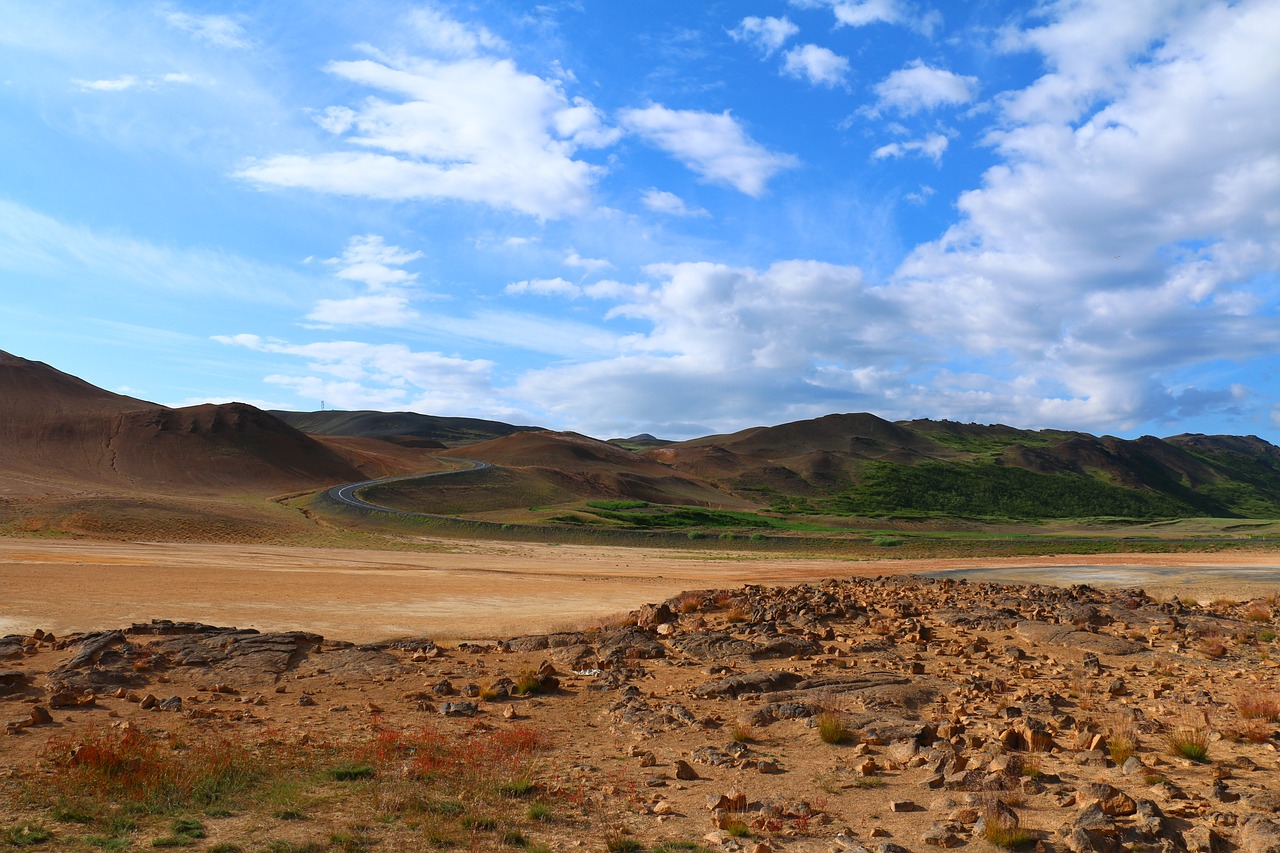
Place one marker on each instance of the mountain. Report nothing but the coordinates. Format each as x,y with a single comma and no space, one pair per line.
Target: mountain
405,428
862,464
55,427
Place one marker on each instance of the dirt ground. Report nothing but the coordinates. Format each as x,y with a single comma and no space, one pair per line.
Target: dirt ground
465,590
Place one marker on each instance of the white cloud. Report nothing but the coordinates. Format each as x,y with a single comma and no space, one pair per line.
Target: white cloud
370,261
591,265
1095,276
727,343
932,146
544,287
444,36
920,87
661,201
117,84
818,65
713,145
218,30
768,35
860,13
130,81
922,195
357,375
385,309
472,129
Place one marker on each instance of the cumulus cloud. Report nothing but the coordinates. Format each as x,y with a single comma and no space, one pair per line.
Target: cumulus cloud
921,87
670,204
1093,271
932,146
818,65
725,342
767,35
714,145
467,127
217,30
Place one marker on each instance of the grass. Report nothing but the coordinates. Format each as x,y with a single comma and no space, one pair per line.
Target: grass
1006,836
350,772
1122,741
427,787
28,835
1190,742
833,728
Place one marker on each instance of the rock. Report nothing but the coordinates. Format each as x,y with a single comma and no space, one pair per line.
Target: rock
941,835
1081,840
748,683
464,708
1202,839
1112,801
685,771
1259,835
1093,819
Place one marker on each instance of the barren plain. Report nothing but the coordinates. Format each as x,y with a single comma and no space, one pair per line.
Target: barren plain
462,589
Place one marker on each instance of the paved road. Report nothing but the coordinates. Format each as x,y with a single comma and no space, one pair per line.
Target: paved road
350,493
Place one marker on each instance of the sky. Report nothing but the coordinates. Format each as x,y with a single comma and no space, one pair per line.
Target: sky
666,217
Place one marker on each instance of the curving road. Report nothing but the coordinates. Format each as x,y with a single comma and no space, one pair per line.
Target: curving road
350,493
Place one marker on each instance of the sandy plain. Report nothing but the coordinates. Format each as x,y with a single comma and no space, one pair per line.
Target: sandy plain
463,590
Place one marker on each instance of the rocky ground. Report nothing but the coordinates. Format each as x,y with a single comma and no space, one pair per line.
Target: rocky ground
883,715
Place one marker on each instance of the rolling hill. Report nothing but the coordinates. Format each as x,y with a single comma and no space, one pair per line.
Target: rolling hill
58,429
405,428
860,464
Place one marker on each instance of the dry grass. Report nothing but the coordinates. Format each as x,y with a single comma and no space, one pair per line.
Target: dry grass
1190,741
1122,739
112,789
833,727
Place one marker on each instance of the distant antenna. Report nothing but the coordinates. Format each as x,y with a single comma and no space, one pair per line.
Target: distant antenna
322,405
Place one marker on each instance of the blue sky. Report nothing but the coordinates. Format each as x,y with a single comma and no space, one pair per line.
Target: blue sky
667,217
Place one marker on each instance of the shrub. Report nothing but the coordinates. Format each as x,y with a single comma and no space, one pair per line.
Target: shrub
742,732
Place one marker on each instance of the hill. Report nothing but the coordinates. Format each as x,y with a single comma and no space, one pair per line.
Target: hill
57,428
405,428
859,464
556,471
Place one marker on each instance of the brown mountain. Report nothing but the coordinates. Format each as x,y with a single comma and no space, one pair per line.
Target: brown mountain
58,429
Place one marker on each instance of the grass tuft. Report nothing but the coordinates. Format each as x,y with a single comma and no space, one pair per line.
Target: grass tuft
833,728
1190,742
